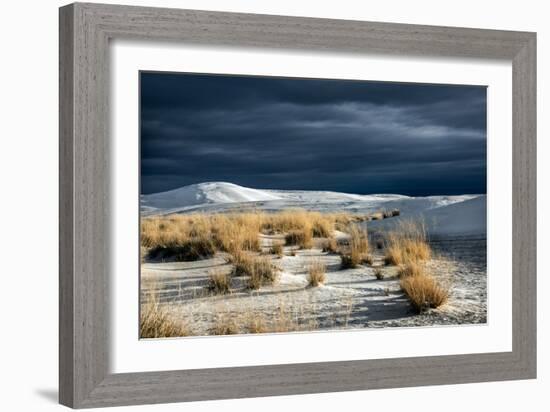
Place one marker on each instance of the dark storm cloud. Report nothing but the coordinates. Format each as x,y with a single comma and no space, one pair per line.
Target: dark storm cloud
352,136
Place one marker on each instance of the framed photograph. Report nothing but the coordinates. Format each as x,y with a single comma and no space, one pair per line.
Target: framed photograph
256,205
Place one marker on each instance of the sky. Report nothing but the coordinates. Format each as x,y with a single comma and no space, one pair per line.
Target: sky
312,134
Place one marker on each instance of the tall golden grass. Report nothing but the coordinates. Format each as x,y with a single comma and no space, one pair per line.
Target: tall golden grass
225,325
277,249
316,273
259,269
302,238
424,291
200,235
157,322
412,268
262,272
219,282
421,287
358,247
330,245
407,243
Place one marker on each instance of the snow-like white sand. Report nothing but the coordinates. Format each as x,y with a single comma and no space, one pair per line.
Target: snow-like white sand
465,218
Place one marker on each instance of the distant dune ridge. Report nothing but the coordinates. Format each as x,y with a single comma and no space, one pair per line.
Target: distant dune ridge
453,215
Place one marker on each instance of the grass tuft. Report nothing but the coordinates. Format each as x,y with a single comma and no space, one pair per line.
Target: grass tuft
190,249
330,245
225,325
407,244
412,268
316,274
424,291
277,249
157,322
219,282
302,238
349,261
259,269
357,249
369,260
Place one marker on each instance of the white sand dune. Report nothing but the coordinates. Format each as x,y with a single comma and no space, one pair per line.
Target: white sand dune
205,193
463,214
465,218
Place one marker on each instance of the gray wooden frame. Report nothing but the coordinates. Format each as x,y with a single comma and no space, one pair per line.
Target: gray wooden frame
85,31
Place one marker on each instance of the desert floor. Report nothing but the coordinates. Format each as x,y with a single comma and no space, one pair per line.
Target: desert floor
350,298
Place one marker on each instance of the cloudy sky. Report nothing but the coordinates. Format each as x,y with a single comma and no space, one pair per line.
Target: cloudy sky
280,133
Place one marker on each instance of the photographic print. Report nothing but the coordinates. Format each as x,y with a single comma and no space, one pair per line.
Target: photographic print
279,205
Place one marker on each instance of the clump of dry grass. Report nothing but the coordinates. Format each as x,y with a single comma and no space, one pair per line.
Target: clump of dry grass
379,274
377,216
259,269
391,213
225,325
157,322
330,245
412,268
189,249
359,241
322,226
358,248
424,291
242,262
185,235
236,231
369,260
263,273
349,261
219,282
317,224
302,238
407,244
316,273
277,249
256,324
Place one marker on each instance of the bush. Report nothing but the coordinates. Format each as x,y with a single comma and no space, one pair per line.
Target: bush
349,261
257,324
156,322
424,292
322,226
264,273
379,274
259,269
330,245
225,325
357,249
316,275
219,282
302,238
404,251
412,268
391,213
277,249
407,244
190,249
369,260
